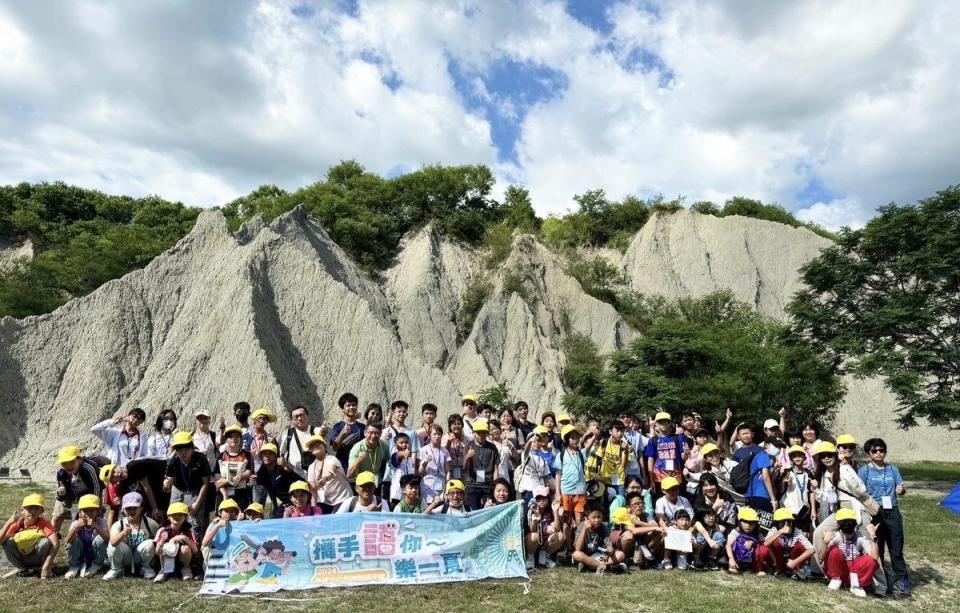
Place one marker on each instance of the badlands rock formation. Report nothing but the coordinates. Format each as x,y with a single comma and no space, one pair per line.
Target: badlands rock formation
10,253
278,314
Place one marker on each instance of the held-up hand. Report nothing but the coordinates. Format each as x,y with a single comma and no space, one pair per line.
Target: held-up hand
61,490
168,484
223,522
899,489
782,412
786,530
223,423
361,457
471,453
729,413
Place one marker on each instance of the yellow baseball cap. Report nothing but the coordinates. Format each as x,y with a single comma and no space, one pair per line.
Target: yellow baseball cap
796,449
255,507
562,417
366,478
89,501
299,486
481,426
68,454
824,447
747,514
182,438
229,503
782,514
669,483
469,398
621,516
316,439
455,484
233,428
268,447
846,439
178,508
541,430
661,416
843,514
568,429
33,500
106,471
708,449
263,412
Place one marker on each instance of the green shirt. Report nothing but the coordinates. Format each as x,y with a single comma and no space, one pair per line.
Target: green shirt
376,458
403,507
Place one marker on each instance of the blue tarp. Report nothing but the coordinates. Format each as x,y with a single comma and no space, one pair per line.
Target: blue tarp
952,501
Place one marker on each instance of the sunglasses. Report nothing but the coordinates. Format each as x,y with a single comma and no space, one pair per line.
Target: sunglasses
878,450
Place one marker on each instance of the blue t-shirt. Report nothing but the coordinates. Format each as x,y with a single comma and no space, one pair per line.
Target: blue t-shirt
757,488
548,458
572,480
664,448
741,454
881,482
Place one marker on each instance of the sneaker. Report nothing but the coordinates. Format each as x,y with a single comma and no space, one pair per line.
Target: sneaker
797,577
666,565
160,578
148,573
646,553
902,587
73,572
580,567
601,569
858,591
13,572
682,562
548,563
91,570
834,584
618,569
761,574
530,563
186,574
112,574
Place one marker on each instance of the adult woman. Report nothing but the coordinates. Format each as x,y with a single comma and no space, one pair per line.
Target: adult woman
846,448
634,484
203,439
711,497
326,477
810,432
158,445
373,413
456,443
549,421
838,484
508,430
719,467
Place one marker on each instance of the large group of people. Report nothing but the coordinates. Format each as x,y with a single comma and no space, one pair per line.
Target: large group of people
637,492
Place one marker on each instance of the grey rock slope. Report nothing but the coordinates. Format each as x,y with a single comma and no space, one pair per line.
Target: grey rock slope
686,254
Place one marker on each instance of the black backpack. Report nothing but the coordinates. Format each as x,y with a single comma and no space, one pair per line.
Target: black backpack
741,475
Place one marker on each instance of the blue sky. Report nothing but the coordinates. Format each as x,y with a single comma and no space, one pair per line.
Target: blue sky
818,106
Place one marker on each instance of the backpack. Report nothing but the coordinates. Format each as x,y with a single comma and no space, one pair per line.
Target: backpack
356,499
306,458
741,475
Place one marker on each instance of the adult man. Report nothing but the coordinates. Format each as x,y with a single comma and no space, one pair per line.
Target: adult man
370,454
481,466
428,415
468,409
525,426
294,444
188,479
77,476
258,433
241,411
347,432
122,436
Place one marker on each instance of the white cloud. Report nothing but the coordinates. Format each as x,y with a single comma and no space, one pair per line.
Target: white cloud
836,214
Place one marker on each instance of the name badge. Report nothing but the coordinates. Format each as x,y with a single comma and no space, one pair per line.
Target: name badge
832,496
668,465
481,476
886,502
456,472
614,479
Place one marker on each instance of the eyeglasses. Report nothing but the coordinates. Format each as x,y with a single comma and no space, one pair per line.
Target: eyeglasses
878,450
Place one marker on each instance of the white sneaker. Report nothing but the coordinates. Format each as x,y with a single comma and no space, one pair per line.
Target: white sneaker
160,578
646,553
834,584
91,570
186,574
148,573
530,563
547,562
858,591
681,562
112,574
73,572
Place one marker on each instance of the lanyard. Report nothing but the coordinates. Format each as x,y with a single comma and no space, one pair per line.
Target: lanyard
801,485
136,447
883,474
374,457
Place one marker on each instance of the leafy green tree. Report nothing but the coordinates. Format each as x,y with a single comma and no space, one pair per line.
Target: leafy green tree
707,355
885,300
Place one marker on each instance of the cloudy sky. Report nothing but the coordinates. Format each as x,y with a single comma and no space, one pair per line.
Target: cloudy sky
829,108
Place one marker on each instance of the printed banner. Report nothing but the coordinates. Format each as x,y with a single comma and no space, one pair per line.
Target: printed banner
364,548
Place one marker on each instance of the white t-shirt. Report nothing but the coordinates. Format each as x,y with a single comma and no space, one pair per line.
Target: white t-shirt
289,448
506,461
435,478
534,472
359,508
407,466
389,436
669,510
337,487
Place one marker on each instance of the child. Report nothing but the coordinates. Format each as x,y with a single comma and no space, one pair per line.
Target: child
411,502
87,539
300,506
187,478
175,542
545,536
454,504
682,521
30,542
233,468
666,451
851,557
795,483
218,533
428,415
613,455
789,548
709,540
403,461
131,539
434,465
630,527
571,482
366,500
667,509
391,435
885,485
76,476
745,551
253,512
533,469
590,552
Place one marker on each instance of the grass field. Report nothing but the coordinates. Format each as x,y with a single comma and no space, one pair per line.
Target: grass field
931,471
931,552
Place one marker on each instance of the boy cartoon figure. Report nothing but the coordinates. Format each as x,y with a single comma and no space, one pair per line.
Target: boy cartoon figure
244,563
274,559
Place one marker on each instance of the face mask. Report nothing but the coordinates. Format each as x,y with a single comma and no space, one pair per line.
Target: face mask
773,451
169,424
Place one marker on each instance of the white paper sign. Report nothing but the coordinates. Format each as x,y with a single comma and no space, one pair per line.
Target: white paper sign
678,540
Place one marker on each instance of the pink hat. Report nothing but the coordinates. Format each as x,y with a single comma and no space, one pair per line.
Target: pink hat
541,491
131,499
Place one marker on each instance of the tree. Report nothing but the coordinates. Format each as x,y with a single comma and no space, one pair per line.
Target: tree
885,300
706,354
